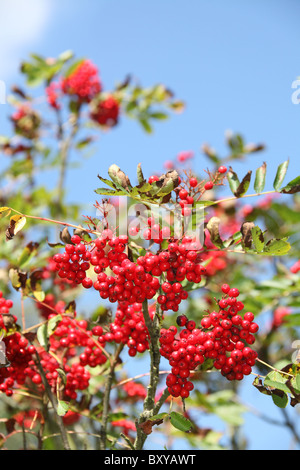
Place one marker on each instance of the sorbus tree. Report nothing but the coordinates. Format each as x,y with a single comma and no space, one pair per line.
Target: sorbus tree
176,277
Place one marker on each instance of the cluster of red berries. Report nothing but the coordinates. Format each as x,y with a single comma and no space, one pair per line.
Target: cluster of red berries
135,391
26,122
224,336
105,111
83,82
74,262
28,418
129,328
125,424
16,357
132,282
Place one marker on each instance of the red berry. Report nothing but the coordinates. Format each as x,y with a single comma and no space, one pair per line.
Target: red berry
208,185
193,182
222,169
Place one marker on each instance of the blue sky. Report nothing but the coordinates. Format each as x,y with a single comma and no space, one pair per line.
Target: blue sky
232,62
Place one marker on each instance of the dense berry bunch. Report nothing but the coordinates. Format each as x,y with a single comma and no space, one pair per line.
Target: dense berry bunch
128,281
135,391
74,262
26,122
83,82
224,336
125,424
105,111
18,356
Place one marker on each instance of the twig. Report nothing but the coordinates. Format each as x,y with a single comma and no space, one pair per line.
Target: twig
53,401
106,398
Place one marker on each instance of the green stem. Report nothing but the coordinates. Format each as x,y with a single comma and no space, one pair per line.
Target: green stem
106,398
150,409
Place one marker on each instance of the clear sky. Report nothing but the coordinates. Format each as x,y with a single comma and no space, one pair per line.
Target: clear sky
233,63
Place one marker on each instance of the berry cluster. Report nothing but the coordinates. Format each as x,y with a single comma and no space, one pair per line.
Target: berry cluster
105,111
83,82
132,282
135,391
224,336
18,355
125,424
26,122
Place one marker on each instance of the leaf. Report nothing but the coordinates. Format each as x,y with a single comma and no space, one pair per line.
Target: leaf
4,209
140,176
119,178
42,336
205,203
16,224
17,278
158,115
52,324
295,383
146,125
28,252
258,239
106,181
292,187
213,228
159,416
39,295
246,231
110,192
277,247
180,422
233,180
46,330
260,178
276,380
280,175
62,408
244,185
280,400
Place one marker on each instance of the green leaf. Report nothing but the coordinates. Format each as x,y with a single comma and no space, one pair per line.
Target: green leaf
277,247
233,180
140,176
244,185
292,187
42,336
258,239
180,422
295,382
276,380
52,324
39,295
62,408
280,175
146,125
280,401
160,116
159,416
110,192
260,178
28,252
205,203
